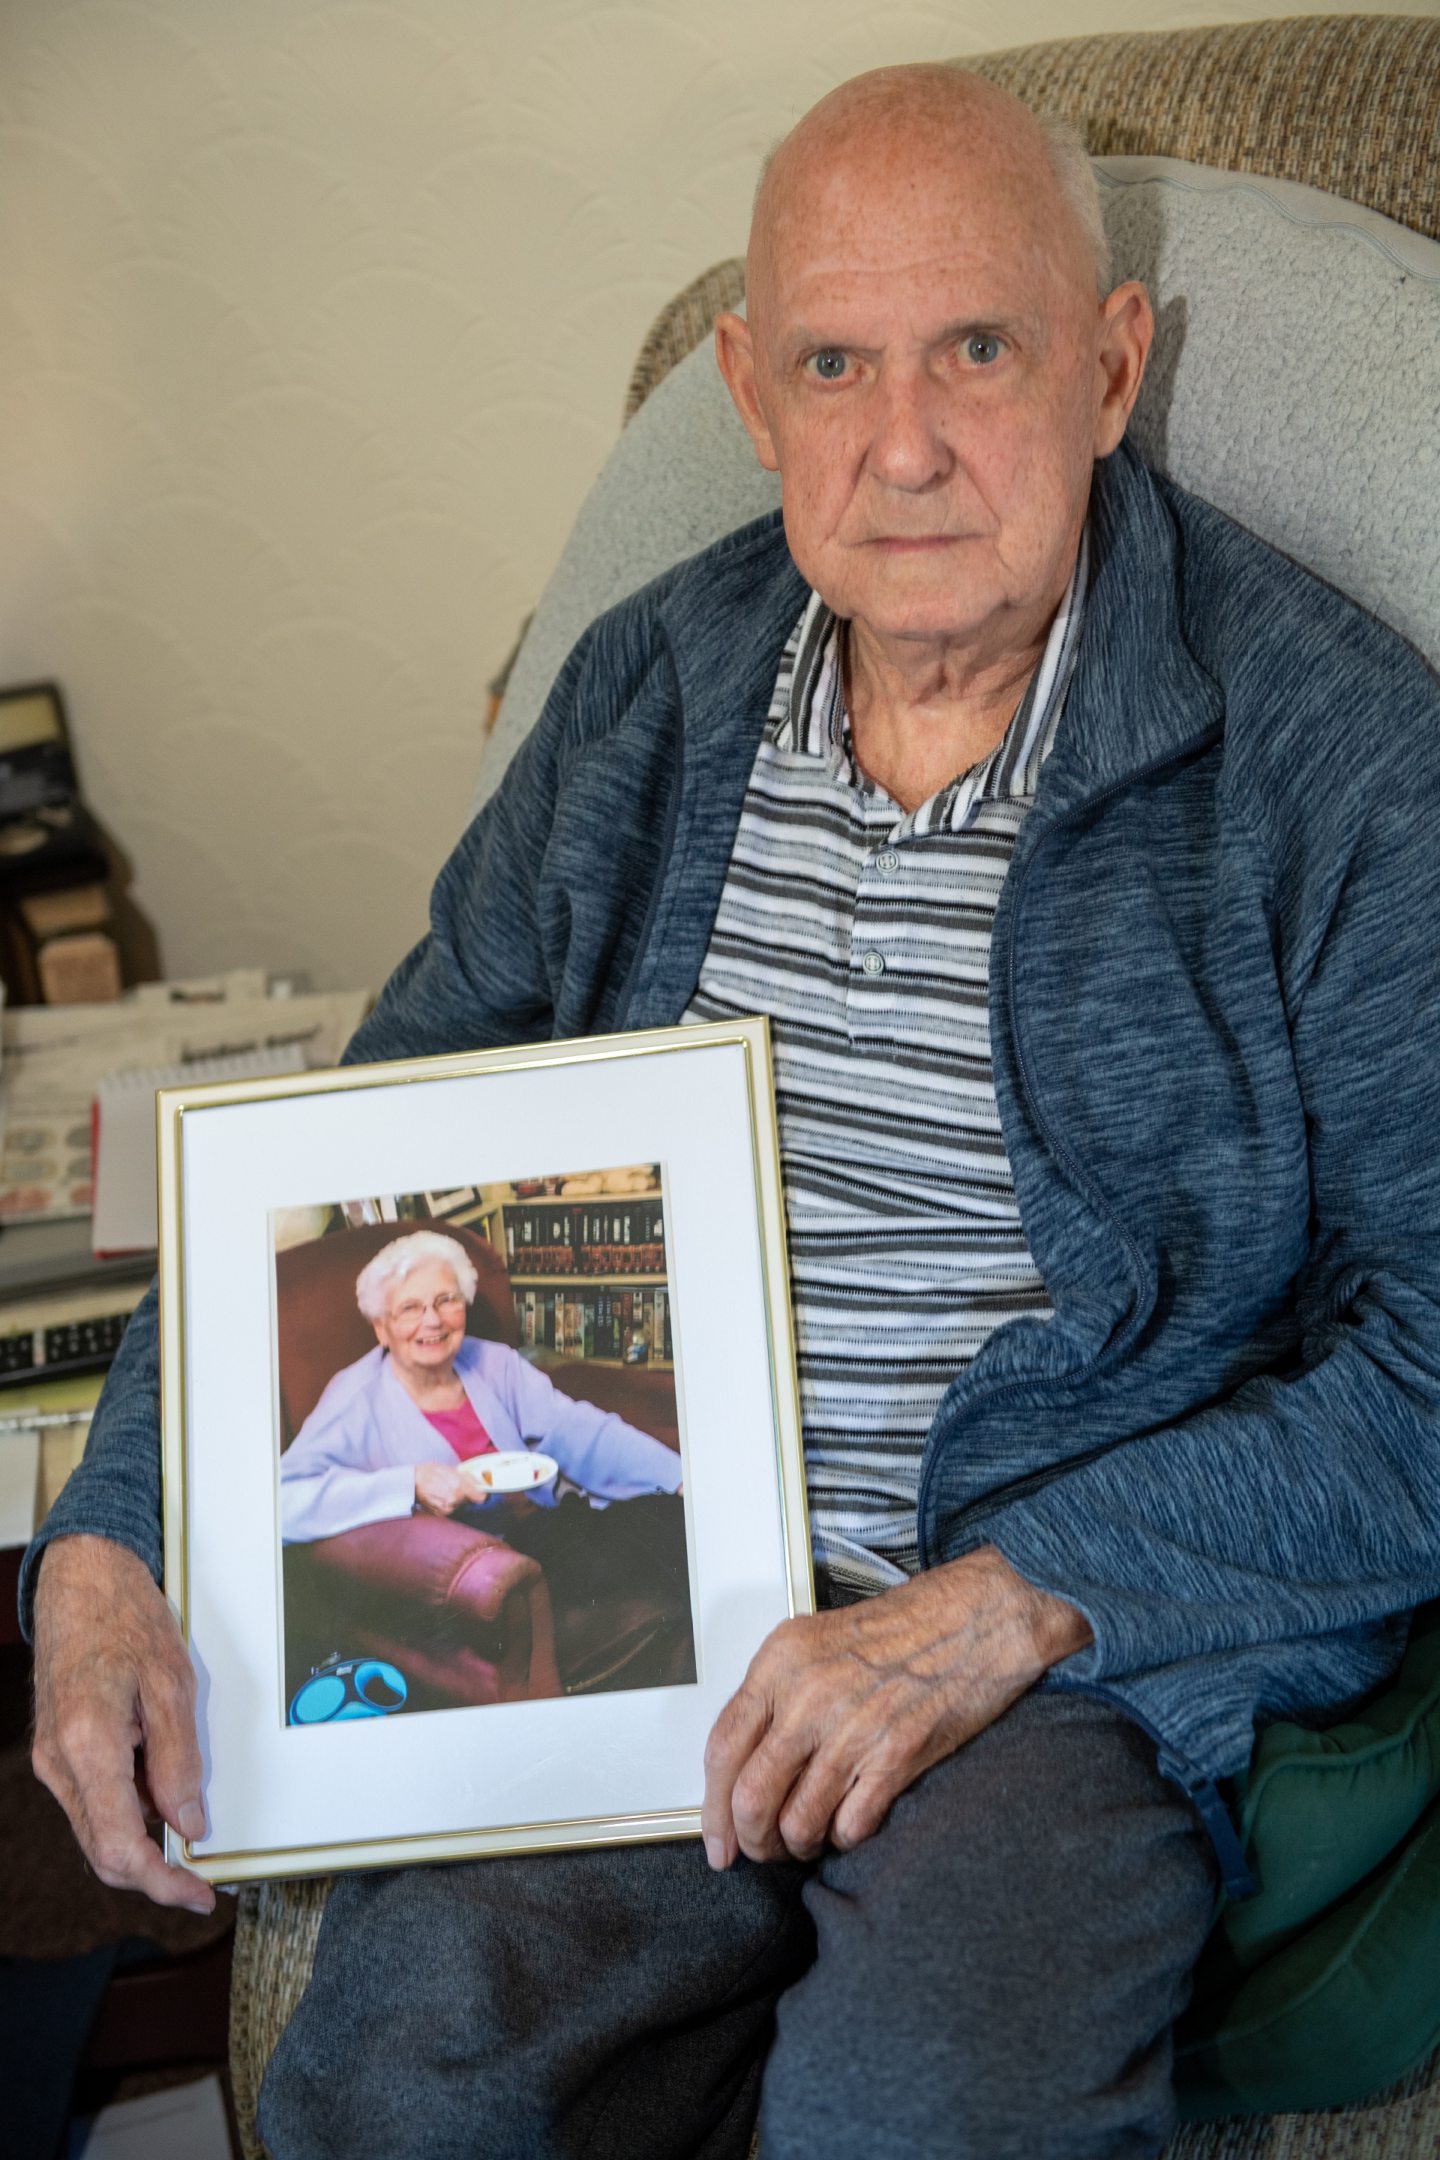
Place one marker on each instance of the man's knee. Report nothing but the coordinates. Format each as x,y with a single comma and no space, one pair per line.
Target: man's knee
999,1969
962,2083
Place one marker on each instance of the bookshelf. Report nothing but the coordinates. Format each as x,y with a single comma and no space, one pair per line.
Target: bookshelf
638,1282
587,1271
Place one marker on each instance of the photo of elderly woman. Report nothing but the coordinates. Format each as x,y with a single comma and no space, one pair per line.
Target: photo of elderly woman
481,1486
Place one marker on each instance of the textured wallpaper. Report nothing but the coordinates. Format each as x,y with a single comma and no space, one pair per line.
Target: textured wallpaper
315,322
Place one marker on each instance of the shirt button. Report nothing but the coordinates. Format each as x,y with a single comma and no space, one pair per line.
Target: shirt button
887,859
873,963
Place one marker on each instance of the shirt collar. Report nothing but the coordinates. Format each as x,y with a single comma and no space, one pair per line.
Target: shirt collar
808,718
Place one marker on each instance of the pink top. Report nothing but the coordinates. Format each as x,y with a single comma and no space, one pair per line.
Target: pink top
463,1429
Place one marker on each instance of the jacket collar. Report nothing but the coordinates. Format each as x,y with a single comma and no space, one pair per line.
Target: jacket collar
724,619
1138,696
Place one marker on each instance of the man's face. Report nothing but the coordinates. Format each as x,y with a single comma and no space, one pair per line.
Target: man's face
926,366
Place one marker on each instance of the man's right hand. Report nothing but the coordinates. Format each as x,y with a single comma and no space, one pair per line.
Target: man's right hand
441,1490
111,1677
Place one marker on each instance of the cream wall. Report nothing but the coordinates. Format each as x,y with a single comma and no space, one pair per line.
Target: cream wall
315,323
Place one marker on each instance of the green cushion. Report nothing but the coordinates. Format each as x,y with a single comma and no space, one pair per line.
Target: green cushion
1326,1985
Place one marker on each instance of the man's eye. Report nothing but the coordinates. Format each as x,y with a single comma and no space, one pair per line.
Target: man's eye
981,349
829,365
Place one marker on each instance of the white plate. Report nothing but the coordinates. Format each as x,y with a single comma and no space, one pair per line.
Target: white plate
509,1470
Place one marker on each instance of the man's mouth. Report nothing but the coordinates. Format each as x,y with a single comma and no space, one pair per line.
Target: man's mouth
917,543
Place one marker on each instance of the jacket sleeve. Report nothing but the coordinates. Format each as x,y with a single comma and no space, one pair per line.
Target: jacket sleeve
477,980
609,1458
1309,1501
329,1482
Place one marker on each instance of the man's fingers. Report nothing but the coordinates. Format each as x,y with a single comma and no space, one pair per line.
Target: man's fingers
859,1702
111,1676
760,1793
147,1870
904,1753
846,1789
862,1810
110,1825
737,1732
805,1819
172,1752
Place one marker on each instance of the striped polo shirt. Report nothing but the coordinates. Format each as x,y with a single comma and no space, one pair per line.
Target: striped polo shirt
863,932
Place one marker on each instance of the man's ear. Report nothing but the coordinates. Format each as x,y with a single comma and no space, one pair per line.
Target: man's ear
1127,330
735,355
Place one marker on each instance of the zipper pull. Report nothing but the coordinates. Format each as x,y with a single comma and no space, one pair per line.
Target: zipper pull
1235,1870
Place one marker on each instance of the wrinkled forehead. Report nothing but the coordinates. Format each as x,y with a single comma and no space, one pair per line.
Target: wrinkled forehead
929,205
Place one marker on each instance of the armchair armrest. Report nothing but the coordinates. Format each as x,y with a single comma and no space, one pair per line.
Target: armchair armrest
465,1617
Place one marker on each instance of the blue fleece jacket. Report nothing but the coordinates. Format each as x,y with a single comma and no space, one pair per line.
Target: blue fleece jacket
1215,1011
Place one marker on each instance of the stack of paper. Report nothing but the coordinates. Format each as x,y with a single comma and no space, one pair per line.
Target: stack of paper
55,1057
19,1485
124,1220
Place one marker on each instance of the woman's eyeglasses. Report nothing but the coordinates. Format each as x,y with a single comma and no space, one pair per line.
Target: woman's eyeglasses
410,1314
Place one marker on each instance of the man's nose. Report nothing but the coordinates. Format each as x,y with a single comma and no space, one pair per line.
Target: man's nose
908,448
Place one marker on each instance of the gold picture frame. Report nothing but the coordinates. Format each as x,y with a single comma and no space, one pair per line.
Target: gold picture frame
617,1201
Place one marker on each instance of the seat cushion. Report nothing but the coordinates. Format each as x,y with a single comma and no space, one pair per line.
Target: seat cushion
1327,1983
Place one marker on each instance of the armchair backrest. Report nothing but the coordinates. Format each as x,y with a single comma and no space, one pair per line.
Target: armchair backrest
1347,103
1296,374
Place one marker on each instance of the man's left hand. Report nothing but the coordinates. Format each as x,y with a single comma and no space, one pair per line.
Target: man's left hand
840,1711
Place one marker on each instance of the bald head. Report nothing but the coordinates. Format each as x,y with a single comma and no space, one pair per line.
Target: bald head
941,111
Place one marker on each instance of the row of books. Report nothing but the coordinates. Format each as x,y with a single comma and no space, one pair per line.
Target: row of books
609,1237
632,1325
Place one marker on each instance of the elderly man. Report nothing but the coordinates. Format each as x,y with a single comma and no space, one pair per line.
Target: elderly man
1077,846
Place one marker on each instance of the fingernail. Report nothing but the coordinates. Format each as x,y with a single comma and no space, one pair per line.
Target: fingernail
192,1819
715,1852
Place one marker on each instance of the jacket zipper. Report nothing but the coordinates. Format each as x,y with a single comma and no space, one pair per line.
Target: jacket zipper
1036,1479
1203,1792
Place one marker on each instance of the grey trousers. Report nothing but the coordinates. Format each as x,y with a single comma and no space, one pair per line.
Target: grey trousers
993,1976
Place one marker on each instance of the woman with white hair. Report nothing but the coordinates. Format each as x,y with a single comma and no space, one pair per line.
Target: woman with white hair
391,1431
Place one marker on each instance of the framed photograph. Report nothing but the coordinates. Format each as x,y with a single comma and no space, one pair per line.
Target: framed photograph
482,1463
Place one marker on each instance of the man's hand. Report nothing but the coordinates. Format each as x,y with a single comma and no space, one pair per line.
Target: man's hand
840,1711
111,1677
441,1490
